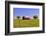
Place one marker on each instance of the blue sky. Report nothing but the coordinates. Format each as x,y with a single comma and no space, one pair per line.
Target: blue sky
25,11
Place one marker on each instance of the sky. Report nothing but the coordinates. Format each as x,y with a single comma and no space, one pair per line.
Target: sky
25,11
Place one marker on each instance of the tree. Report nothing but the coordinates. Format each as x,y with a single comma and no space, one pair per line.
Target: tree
35,17
18,17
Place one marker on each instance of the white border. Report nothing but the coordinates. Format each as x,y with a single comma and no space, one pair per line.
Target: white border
24,29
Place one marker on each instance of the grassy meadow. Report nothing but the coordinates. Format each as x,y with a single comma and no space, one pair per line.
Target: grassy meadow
18,23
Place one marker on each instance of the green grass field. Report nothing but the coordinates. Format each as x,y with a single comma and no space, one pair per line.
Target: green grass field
25,23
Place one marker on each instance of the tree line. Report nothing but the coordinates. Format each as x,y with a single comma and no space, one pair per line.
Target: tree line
34,17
